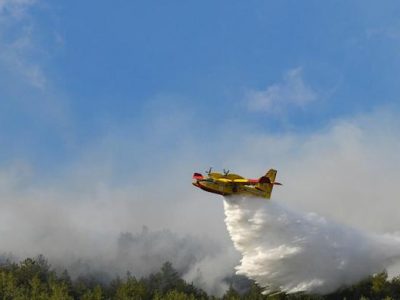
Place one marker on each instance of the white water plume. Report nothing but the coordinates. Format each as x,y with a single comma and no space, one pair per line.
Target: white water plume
283,250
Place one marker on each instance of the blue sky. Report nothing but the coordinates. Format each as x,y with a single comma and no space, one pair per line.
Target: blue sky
72,72
106,110
135,89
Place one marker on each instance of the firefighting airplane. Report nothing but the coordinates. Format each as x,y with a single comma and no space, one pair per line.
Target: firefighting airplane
229,184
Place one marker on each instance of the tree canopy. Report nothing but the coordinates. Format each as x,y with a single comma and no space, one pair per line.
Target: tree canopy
34,279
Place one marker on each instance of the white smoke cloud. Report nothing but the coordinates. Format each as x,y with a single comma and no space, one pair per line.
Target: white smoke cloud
95,228
292,252
347,172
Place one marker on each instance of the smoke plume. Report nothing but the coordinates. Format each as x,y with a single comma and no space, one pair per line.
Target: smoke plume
200,260
291,251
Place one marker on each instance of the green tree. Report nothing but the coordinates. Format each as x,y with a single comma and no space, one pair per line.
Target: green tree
231,294
254,293
95,294
131,289
174,295
380,284
58,291
38,290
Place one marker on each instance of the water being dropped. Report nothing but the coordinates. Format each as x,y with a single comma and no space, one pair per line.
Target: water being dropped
293,251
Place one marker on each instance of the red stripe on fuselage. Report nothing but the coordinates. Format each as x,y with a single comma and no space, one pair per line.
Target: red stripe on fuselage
208,189
254,180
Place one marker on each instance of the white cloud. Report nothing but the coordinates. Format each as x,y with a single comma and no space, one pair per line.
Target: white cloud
17,49
14,8
279,97
26,88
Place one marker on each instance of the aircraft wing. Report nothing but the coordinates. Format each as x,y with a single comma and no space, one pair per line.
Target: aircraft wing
242,181
245,181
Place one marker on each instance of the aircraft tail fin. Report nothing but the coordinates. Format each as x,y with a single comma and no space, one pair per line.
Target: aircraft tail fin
267,182
271,175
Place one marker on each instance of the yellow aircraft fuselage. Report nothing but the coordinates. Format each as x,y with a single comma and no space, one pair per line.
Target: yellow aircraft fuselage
230,184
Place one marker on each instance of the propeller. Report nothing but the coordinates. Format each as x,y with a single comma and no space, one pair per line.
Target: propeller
226,172
209,171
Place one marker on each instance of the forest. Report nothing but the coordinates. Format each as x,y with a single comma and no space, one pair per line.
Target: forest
35,279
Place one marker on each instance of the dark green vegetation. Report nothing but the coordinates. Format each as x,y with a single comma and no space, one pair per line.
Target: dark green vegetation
34,279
